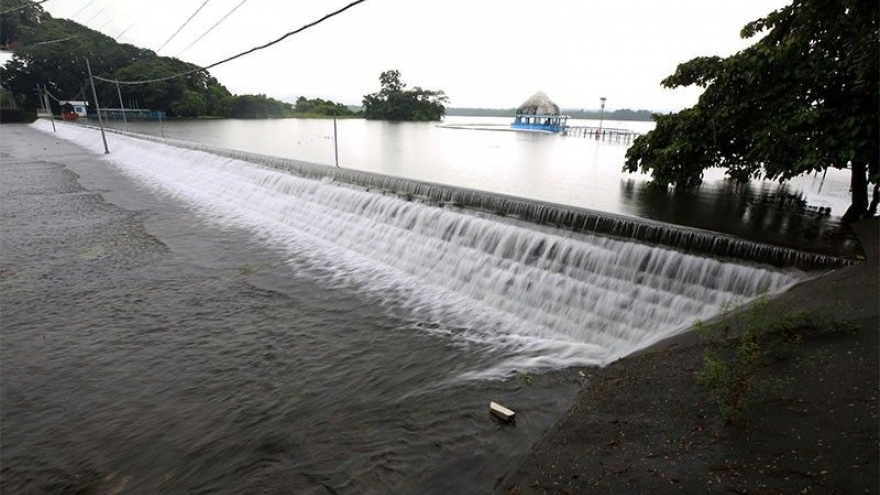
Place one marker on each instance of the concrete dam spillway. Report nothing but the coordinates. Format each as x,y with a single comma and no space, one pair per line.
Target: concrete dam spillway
553,286
181,318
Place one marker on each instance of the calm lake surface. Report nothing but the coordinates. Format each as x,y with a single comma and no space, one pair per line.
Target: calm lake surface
565,170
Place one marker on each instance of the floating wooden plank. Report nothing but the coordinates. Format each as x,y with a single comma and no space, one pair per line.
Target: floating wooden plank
501,412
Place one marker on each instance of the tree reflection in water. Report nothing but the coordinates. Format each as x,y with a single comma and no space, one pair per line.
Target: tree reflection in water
762,212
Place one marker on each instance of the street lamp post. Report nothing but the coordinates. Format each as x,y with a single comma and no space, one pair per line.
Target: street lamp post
601,114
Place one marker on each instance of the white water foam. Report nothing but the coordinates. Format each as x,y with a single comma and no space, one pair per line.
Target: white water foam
546,300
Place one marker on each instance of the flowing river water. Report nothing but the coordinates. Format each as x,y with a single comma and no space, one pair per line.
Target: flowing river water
180,322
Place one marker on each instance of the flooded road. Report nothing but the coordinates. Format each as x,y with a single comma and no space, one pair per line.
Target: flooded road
178,322
145,350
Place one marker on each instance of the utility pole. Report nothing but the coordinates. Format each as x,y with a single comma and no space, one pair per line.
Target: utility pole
335,143
121,105
49,107
44,102
39,92
601,115
97,107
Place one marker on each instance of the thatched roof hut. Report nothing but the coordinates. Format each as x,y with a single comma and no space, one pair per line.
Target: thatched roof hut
538,104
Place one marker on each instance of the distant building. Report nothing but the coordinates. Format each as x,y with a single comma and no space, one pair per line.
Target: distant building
539,114
73,109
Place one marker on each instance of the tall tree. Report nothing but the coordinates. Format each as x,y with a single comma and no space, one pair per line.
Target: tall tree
803,98
52,52
395,102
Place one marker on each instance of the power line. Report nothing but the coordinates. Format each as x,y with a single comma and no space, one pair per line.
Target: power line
242,54
51,95
105,23
92,18
212,27
29,4
183,25
84,7
124,31
49,42
81,93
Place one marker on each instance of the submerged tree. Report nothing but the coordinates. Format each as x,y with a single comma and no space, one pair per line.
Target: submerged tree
801,99
394,102
321,108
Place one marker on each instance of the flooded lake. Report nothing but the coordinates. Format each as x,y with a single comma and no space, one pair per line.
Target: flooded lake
566,170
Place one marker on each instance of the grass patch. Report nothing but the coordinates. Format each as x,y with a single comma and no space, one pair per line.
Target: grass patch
743,343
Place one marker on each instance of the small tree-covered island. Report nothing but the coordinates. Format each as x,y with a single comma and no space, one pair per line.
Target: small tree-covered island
394,102
802,99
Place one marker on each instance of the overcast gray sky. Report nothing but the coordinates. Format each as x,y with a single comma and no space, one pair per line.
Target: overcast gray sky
482,53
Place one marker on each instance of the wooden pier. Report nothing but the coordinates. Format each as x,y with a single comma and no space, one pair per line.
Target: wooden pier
605,134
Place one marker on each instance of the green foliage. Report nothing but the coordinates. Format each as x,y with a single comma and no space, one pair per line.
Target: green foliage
195,95
190,104
729,376
801,99
52,52
742,344
321,108
9,99
394,102
12,24
257,107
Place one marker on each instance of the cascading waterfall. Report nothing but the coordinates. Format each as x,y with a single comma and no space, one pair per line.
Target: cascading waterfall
546,297
538,212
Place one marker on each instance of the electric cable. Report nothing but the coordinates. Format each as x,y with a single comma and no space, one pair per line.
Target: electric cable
84,7
51,95
212,27
124,31
239,55
92,18
81,93
48,42
28,5
105,23
183,25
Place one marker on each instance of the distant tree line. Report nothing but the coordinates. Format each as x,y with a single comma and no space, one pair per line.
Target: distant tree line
53,52
257,107
621,114
321,108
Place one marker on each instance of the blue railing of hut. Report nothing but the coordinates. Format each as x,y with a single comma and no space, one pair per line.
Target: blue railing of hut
539,122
